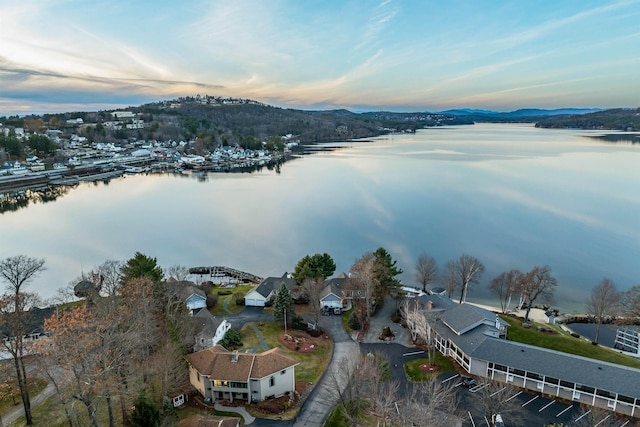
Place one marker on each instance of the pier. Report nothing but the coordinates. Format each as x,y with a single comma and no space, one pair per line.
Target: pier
232,274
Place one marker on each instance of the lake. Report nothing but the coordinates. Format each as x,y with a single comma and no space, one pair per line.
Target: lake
511,195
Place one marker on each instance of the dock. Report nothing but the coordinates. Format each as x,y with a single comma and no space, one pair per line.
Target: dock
219,272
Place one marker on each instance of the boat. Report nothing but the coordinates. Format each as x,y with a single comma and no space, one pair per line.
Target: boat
36,166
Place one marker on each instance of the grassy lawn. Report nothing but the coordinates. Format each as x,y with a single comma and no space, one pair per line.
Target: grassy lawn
564,342
232,306
35,386
345,320
312,365
415,374
51,413
249,337
337,418
187,412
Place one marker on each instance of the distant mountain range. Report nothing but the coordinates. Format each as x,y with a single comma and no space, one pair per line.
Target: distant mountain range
527,112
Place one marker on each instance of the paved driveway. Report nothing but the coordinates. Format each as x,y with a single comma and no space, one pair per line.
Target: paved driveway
323,398
381,320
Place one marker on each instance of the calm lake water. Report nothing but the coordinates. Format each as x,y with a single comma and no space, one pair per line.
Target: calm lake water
511,195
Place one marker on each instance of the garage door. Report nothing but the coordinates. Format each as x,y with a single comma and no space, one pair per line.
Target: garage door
254,302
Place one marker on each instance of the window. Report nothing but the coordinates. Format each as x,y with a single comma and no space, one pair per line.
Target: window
551,380
534,376
199,377
238,385
272,381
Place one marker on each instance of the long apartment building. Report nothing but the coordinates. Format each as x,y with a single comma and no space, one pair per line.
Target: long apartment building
476,339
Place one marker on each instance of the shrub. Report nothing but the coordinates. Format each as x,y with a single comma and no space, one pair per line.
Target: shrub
573,334
315,332
224,292
231,340
238,297
207,287
396,317
354,322
299,323
212,300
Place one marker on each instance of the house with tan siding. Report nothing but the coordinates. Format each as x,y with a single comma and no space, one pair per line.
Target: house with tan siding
219,374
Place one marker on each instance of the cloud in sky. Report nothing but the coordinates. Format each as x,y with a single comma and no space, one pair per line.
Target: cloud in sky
355,54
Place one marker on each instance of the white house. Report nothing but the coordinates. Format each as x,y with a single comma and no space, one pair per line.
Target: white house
267,290
222,375
194,298
209,329
333,295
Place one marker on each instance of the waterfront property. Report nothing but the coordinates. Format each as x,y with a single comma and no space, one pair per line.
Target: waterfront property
222,375
476,339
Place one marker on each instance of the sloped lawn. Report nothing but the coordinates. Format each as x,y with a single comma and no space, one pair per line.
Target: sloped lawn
562,341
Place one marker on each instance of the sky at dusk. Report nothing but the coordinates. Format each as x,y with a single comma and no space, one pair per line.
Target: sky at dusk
66,55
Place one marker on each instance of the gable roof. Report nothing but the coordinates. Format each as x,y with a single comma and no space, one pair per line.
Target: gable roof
577,369
206,323
270,284
188,291
217,362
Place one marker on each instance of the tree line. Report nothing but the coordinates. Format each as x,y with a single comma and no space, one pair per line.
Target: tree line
121,348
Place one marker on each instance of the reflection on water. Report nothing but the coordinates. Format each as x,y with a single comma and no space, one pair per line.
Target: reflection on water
511,195
620,138
22,199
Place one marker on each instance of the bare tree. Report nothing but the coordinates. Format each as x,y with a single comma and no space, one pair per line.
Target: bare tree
537,284
109,274
430,403
496,399
604,302
313,288
426,270
18,272
415,320
363,280
590,416
505,285
178,272
630,304
462,272
64,295
449,278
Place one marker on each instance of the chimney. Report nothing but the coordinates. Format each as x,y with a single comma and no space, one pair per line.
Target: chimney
234,356
429,305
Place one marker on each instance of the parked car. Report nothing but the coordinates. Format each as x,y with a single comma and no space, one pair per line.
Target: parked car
497,421
468,382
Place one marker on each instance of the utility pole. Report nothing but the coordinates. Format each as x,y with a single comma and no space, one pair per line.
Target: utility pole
285,321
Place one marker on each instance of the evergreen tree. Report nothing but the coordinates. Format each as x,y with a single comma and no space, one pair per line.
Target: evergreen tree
142,266
318,266
145,413
385,270
283,303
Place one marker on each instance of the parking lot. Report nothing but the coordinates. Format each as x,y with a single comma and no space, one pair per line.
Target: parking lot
536,410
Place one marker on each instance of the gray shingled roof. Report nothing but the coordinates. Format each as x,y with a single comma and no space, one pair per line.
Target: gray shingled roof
476,343
580,370
271,283
462,318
